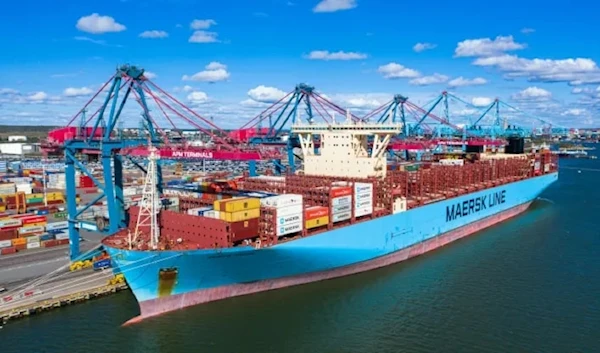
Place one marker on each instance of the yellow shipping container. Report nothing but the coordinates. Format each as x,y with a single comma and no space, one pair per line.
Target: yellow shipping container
34,196
19,241
38,224
317,222
239,215
2,208
241,204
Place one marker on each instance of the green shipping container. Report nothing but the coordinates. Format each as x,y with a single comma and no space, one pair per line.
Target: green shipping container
411,167
35,200
60,215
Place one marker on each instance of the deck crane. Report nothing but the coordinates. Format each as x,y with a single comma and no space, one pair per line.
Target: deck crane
287,111
98,137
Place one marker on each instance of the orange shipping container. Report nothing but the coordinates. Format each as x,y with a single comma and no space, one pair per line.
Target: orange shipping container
315,212
19,241
341,191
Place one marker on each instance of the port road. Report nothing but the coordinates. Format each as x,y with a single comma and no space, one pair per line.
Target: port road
27,265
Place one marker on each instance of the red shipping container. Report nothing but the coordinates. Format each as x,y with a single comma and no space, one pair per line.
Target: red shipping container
62,242
243,230
315,212
8,234
20,247
10,250
36,219
340,191
49,243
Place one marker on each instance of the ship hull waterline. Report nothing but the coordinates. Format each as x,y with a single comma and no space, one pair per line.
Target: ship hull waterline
210,275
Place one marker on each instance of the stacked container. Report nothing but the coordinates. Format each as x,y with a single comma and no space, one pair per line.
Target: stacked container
7,188
316,216
199,211
25,187
288,213
242,214
341,203
363,199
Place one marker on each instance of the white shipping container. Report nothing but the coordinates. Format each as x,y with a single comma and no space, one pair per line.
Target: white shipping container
341,208
363,204
33,239
130,191
5,243
359,212
57,225
33,229
33,245
344,200
364,196
363,187
10,223
60,236
289,228
289,219
341,216
289,210
282,200
452,161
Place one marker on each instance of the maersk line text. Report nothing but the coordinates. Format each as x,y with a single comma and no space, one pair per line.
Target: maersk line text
476,204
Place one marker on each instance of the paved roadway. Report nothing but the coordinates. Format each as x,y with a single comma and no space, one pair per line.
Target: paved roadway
30,264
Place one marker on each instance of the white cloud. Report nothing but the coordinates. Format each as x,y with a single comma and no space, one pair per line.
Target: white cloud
334,5
7,91
251,103
77,92
527,30
197,97
266,94
203,37
486,46
533,93
461,81
215,65
481,101
577,90
395,70
88,39
340,55
429,80
202,24
154,34
214,72
363,102
97,24
574,112
187,88
575,71
419,47
150,75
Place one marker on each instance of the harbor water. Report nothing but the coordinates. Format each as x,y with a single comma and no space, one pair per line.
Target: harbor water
530,284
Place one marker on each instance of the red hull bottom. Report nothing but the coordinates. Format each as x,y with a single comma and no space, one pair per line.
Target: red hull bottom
159,306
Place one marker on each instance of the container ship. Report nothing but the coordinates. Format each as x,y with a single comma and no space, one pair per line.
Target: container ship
347,211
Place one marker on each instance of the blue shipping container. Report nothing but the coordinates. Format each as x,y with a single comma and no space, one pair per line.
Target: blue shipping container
41,212
46,236
100,264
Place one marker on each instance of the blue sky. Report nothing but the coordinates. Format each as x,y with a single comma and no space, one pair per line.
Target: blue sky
238,56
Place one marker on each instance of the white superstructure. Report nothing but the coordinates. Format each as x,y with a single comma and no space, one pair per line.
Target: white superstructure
345,149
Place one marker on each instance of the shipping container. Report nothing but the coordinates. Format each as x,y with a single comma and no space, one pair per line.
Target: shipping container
237,204
360,188
243,230
29,230
282,200
341,209
19,241
289,219
57,225
5,223
289,229
315,212
61,236
317,222
6,251
33,245
343,200
5,243
8,234
46,236
340,191
49,243
338,217
240,215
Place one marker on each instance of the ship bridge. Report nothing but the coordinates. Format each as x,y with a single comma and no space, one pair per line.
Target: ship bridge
344,148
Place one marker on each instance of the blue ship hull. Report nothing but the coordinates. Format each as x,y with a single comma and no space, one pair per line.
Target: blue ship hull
163,281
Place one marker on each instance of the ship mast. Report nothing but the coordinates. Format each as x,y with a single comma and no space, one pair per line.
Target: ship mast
149,205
